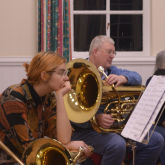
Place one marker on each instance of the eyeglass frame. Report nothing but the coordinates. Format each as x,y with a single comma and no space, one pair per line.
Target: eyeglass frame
64,73
110,51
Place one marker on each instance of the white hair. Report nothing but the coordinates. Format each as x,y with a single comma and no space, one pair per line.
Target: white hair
98,41
160,60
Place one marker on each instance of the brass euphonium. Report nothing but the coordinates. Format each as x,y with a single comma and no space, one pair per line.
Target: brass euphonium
119,102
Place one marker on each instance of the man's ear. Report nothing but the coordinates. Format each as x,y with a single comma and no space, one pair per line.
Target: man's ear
44,76
95,52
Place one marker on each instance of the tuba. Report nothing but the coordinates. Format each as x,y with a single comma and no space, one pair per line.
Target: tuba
45,151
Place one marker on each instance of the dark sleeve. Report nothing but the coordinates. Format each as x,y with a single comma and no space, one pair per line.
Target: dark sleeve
162,117
148,80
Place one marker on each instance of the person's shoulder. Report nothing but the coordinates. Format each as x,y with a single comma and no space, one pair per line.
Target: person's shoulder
113,68
13,93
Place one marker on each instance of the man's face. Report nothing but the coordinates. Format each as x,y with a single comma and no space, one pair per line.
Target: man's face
104,55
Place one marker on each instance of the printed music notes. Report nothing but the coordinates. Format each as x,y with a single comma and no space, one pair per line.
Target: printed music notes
146,110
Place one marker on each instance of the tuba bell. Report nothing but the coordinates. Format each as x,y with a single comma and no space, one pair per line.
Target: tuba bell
83,101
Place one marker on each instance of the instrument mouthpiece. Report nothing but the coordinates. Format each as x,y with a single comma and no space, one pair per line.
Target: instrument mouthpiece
101,69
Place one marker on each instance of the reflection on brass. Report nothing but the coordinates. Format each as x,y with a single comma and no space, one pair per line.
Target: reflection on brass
83,101
119,102
45,151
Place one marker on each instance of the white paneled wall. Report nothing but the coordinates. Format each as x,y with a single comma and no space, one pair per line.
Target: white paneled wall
12,71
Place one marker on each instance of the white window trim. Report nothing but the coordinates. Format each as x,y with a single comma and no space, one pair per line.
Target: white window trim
146,31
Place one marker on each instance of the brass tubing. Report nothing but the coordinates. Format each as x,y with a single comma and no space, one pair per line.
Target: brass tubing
5,148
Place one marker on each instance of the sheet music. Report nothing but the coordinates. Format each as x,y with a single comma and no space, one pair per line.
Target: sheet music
146,110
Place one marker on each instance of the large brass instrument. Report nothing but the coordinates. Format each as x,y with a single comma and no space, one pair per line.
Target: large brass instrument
88,94
47,151
84,99
119,102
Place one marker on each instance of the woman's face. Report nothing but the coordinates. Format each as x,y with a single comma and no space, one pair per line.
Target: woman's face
58,78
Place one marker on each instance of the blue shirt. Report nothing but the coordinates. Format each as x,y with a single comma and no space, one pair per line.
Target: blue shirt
133,77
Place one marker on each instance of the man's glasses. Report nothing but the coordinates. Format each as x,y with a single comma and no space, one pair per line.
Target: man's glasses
60,72
110,52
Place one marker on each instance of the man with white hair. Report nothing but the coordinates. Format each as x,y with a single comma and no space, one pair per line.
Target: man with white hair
160,71
159,65
101,53
112,146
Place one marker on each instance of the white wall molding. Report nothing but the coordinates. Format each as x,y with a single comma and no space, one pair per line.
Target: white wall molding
12,70
134,60
16,61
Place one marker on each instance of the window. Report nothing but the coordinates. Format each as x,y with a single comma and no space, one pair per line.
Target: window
127,22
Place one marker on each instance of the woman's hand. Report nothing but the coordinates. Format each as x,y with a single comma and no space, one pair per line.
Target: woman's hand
65,89
75,146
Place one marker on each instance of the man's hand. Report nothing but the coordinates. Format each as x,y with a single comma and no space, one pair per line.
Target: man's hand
116,80
104,120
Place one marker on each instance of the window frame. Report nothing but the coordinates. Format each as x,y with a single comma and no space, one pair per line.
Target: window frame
146,26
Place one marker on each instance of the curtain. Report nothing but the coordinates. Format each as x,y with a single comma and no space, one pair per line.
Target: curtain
54,32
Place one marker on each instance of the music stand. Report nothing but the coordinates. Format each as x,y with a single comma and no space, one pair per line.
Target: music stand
137,129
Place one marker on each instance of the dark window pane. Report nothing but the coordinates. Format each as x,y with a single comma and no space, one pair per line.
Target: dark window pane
126,30
126,4
86,27
89,4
